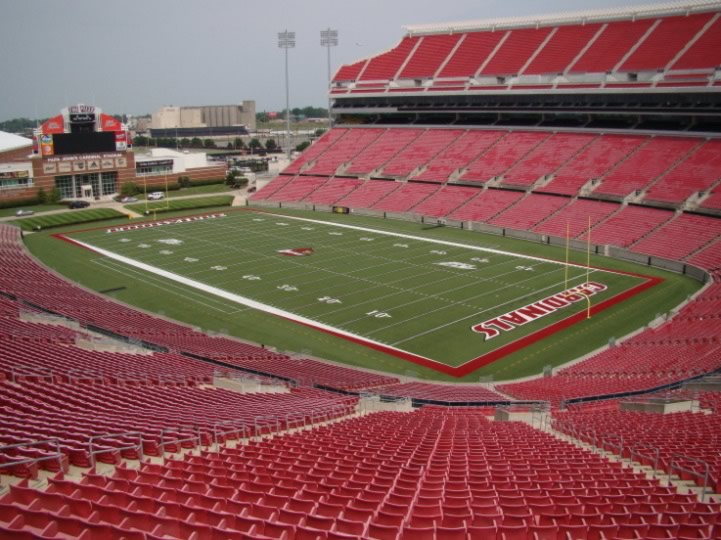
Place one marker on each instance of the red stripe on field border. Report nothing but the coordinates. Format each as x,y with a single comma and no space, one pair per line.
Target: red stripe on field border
475,363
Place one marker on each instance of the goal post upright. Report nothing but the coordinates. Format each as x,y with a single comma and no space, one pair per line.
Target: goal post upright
566,266
588,265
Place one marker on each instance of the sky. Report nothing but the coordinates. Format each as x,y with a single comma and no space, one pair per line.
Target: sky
135,56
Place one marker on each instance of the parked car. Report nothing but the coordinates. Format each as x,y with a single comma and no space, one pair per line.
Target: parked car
125,199
156,196
21,213
78,204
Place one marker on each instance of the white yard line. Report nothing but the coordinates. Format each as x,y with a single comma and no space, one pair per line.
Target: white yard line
442,242
476,314
453,303
376,284
127,272
275,232
240,299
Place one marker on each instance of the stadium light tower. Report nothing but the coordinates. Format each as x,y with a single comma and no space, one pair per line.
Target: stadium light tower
286,40
328,39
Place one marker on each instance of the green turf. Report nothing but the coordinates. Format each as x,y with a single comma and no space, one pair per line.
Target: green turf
387,278
173,205
200,190
71,217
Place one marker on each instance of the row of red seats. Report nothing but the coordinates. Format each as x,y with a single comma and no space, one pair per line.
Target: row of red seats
695,435
25,279
74,413
642,44
433,473
620,165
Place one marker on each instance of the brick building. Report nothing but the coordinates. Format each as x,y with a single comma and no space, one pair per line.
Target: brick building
87,154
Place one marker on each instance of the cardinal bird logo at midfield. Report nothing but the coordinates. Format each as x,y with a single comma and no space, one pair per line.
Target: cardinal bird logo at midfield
296,252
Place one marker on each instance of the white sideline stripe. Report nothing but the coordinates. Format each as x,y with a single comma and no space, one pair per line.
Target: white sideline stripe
240,299
435,241
183,292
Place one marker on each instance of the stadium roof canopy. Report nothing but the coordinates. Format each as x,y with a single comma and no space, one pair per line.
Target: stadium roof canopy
9,141
569,17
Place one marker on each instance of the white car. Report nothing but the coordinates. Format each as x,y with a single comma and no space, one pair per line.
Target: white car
21,213
156,196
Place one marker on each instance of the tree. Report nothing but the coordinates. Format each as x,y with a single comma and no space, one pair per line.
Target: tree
302,146
261,117
209,143
55,196
238,143
140,140
184,182
234,181
42,196
254,144
230,177
270,145
129,189
185,142
16,125
196,142
319,132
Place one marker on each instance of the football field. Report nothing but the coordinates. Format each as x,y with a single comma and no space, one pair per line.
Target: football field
449,305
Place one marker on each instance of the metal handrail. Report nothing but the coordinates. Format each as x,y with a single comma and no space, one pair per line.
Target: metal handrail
635,453
540,411
172,378
272,420
164,443
243,428
85,375
295,420
131,376
41,372
704,476
92,440
58,455
328,413
606,441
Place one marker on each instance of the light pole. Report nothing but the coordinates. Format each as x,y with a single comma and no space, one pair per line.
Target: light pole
328,39
286,40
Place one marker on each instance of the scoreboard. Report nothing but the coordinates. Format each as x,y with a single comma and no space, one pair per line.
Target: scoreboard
83,143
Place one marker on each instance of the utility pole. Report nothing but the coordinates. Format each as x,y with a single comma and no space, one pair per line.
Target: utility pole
328,39
286,40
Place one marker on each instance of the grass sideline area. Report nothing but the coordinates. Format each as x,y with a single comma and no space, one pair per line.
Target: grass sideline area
37,208
71,217
166,297
184,192
174,205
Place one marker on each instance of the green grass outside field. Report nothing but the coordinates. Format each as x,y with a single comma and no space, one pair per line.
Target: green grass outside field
37,208
71,217
184,192
170,205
